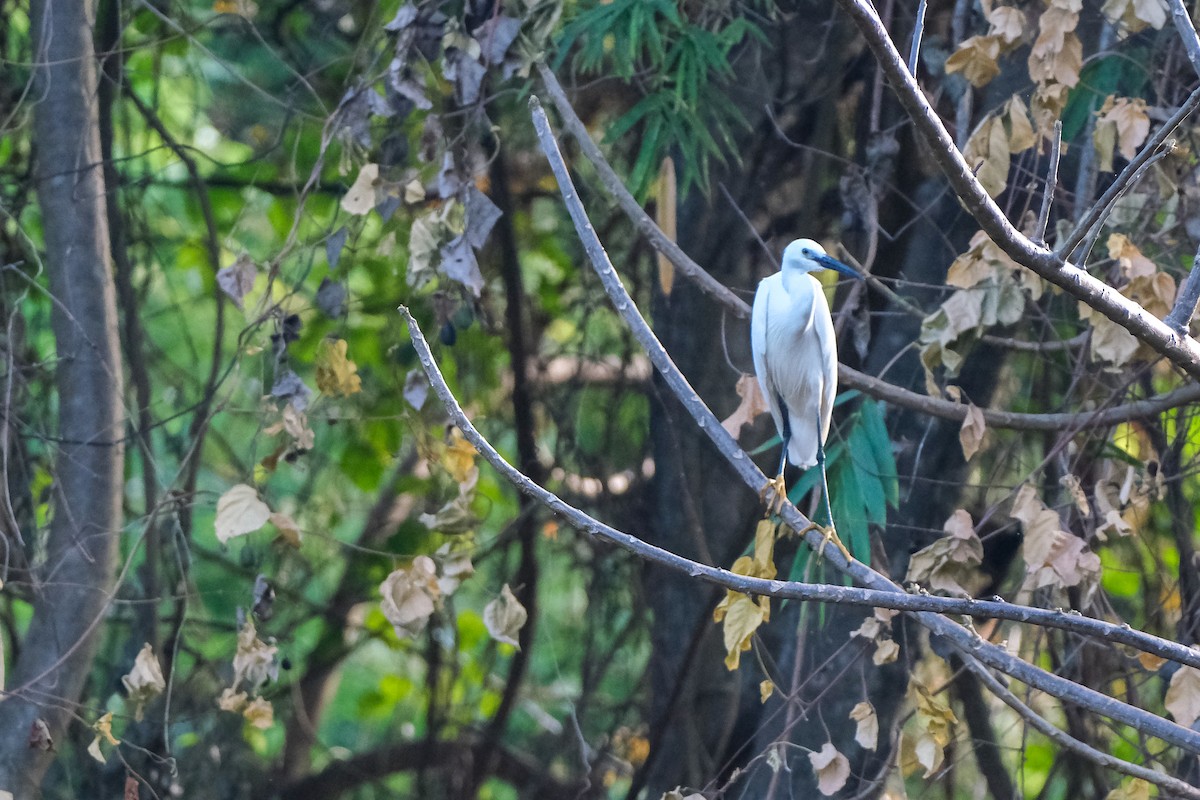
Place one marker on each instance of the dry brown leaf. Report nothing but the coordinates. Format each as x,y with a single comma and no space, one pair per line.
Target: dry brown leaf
1007,23
1183,696
145,681
1129,121
1071,483
867,732
988,154
232,700
765,690
459,457
1132,16
259,713
1150,662
935,725
239,511
410,596
751,406
103,728
950,564
886,652
360,197
1053,557
1020,129
255,661
289,531
831,768
976,58
742,617
970,435
336,374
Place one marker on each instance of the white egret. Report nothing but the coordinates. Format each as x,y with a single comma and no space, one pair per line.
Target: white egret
795,357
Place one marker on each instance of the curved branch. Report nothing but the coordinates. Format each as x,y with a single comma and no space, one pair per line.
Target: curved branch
969,644
1182,351
1176,787
935,406
877,388
893,598
661,242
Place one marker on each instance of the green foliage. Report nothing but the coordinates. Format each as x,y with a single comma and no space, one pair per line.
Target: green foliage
683,69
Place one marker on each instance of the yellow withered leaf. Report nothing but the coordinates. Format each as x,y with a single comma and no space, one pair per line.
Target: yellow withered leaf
337,374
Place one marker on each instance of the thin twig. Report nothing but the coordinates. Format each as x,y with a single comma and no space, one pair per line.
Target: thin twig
1039,235
914,51
966,642
1105,205
1185,303
1118,185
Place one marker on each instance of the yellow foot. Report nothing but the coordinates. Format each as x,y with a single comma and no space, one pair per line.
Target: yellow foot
774,494
830,535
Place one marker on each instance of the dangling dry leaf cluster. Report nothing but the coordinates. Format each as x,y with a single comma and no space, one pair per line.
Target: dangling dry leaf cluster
742,614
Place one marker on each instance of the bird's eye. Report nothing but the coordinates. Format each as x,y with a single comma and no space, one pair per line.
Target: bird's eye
806,253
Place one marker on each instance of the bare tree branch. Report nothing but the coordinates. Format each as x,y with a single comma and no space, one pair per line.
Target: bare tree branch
1187,32
1122,181
1039,236
1185,304
661,242
968,643
1184,352
1176,787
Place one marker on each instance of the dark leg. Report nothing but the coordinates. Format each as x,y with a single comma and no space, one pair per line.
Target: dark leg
831,531
824,483
785,434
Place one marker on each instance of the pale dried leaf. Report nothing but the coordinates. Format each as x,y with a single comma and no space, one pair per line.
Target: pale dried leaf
145,680
988,154
255,661
970,435
504,617
232,700
239,511
886,652
259,713
1071,483
765,690
1007,23
976,58
237,280
1183,696
410,596
867,732
831,768
750,407
360,197
949,565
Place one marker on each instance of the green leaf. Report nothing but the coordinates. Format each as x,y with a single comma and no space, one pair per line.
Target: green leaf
880,446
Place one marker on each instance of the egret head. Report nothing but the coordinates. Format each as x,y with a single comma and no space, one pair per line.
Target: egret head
805,255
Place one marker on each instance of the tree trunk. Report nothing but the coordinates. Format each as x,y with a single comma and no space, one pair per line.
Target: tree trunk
71,587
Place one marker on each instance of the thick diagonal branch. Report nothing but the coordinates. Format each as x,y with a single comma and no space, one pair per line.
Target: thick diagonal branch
1184,352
